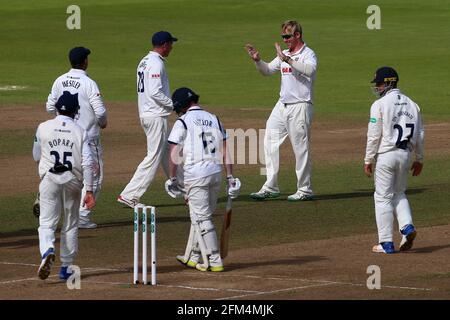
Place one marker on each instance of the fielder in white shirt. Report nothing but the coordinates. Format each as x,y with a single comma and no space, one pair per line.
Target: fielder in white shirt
292,114
155,106
201,138
65,164
92,116
395,133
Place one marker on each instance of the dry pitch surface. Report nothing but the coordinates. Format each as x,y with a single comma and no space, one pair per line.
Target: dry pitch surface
320,269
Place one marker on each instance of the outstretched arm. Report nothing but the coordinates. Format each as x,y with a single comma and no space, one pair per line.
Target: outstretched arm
263,67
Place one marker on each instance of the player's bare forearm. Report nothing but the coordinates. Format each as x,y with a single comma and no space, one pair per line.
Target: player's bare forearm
173,160
227,159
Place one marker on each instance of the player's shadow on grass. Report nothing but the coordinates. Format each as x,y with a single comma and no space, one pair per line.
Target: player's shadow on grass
30,242
365,193
276,262
129,271
360,194
428,249
130,223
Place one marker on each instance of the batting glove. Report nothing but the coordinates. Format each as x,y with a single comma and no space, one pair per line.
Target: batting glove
233,186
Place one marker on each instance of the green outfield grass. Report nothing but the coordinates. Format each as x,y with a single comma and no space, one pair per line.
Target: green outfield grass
210,56
344,206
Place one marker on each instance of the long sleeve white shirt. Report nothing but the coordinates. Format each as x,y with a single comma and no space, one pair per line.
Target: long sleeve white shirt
395,120
62,140
296,83
92,114
153,87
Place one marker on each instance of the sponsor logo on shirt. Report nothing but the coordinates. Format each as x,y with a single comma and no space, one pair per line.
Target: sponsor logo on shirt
286,70
155,76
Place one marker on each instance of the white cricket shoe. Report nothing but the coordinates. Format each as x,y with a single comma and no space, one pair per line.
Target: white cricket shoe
86,223
298,196
130,203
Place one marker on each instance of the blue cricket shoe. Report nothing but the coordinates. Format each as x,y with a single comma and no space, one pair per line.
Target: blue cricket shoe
63,274
46,264
384,247
409,234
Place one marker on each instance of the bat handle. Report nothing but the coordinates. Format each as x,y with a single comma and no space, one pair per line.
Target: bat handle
229,202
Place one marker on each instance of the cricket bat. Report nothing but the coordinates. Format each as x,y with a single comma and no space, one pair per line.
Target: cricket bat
226,231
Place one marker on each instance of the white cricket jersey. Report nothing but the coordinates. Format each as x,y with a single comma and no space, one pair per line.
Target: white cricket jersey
395,123
62,140
153,87
295,86
201,135
92,111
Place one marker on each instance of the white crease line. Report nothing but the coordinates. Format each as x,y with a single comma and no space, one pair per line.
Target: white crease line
52,276
306,280
19,264
408,288
177,286
18,280
325,282
211,289
27,279
57,266
103,269
276,291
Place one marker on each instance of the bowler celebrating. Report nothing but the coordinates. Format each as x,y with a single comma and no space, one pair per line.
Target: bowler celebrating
293,113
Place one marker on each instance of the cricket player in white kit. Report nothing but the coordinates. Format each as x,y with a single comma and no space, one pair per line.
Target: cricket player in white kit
201,138
155,106
395,132
92,116
292,114
65,164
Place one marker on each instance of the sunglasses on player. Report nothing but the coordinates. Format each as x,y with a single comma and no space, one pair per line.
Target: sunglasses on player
287,36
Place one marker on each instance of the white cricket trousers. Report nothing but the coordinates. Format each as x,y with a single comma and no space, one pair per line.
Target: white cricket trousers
293,120
202,195
156,130
97,156
391,175
55,199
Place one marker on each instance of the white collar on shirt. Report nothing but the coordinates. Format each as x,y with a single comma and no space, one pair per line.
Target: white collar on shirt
157,54
194,107
64,118
78,71
297,52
